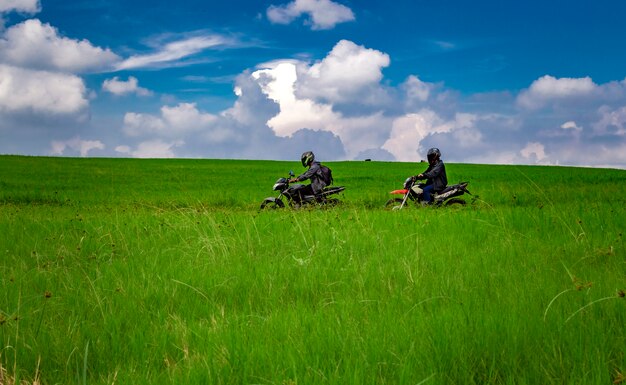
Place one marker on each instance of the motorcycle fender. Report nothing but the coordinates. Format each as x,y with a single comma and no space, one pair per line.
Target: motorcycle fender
401,192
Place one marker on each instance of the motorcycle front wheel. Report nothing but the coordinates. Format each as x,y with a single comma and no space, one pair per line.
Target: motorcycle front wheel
394,203
272,204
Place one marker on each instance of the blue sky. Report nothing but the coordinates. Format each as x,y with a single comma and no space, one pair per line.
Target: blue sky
485,81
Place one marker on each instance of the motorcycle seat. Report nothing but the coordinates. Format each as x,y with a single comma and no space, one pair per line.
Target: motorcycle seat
453,187
447,189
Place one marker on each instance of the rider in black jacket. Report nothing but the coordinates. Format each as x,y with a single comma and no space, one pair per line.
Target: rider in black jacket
435,175
314,173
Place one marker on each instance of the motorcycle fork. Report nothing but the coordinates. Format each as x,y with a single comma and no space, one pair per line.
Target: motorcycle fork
281,195
406,197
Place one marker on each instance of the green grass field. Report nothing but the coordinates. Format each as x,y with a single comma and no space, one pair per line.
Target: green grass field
120,271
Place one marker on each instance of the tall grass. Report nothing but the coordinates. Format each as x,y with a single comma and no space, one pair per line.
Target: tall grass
164,271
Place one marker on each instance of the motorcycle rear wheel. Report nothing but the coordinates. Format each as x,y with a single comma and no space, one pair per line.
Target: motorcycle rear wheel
272,204
455,202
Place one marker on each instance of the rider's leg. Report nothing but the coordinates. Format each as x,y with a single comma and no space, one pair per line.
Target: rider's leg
305,190
417,190
428,191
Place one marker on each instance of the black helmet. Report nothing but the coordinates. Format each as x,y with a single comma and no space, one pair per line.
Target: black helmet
433,155
307,158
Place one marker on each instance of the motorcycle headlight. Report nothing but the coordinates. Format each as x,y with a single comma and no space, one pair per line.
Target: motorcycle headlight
280,184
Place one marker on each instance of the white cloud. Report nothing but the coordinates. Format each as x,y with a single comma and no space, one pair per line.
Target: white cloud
120,87
35,45
469,137
23,90
252,107
416,89
608,154
347,73
571,125
547,89
186,116
407,133
142,124
287,105
341,103
324,14
278,81
612,155
83,147
123,149
296,113
174,122
410,130
278,84
307,96
173,51
28,6
534,151
156,149
495,156
612,122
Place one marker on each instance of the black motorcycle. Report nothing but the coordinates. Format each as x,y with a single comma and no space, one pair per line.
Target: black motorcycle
447,197
296,197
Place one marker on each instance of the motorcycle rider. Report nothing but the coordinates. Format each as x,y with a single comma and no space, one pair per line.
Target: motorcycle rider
435,175
314,173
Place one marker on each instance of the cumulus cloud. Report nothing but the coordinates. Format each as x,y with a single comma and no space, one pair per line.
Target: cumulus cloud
281,82
272,119
485,129
279,85
27,6
416,90
612,122
408,132
323,14
120,87
547,89
156,149
286,106
348,72
36,45
534,151
42,96
42,92
174,122
237,132
76,144
123,149
136,124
